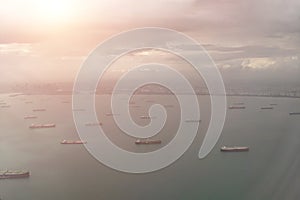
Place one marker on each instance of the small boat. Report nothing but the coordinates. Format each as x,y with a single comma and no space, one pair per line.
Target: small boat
39,110
28,102
168,106
273,104
9,174
147,141
30,117
234,149
294,113
94,124
135,106
146,117
238,103
193,120
267,108
42,126
131,102
73,142
236,107
5,106
111,114
150,101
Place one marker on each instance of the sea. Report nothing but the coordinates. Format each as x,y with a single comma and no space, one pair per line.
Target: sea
270,170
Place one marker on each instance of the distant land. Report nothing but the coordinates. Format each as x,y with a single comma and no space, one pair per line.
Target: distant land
67,89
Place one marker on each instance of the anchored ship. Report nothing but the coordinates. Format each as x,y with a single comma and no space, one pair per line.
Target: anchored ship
42,126
5,106
146,117
73,142
39,110
237,107
30,117
234,149
193,120
239,103
94,124
294,113
111,114
147,141
267,108
8,174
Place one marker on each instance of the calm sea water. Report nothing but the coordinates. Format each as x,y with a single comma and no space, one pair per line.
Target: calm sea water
270,170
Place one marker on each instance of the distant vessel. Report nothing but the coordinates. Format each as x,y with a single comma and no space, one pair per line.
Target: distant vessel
42,126
146,117
267,108
193,120
94,124
150,101
73,142
234,149
294,113
8,174
135,106
273,104
131,102
30,117
238,103
147,141
237,107
27,102
169,106
5,106
110,114
39,110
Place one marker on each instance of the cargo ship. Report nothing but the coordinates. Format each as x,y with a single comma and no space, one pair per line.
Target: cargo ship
237,107
168,106
8,174
193,120
30,117
146,117
111,114
147,141
267,108
294,113
94,124
5,106
73,142
39,110
42,126
234,149
238,103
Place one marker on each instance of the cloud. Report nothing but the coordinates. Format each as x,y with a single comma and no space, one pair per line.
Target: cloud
15,48
257,63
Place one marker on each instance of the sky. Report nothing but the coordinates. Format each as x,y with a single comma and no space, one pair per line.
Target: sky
47,40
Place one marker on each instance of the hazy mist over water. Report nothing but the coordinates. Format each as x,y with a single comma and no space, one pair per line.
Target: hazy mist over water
268,171
255,45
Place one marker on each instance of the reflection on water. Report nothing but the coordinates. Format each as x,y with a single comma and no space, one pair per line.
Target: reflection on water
268,171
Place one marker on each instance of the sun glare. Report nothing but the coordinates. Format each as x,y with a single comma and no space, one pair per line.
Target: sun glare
54,10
